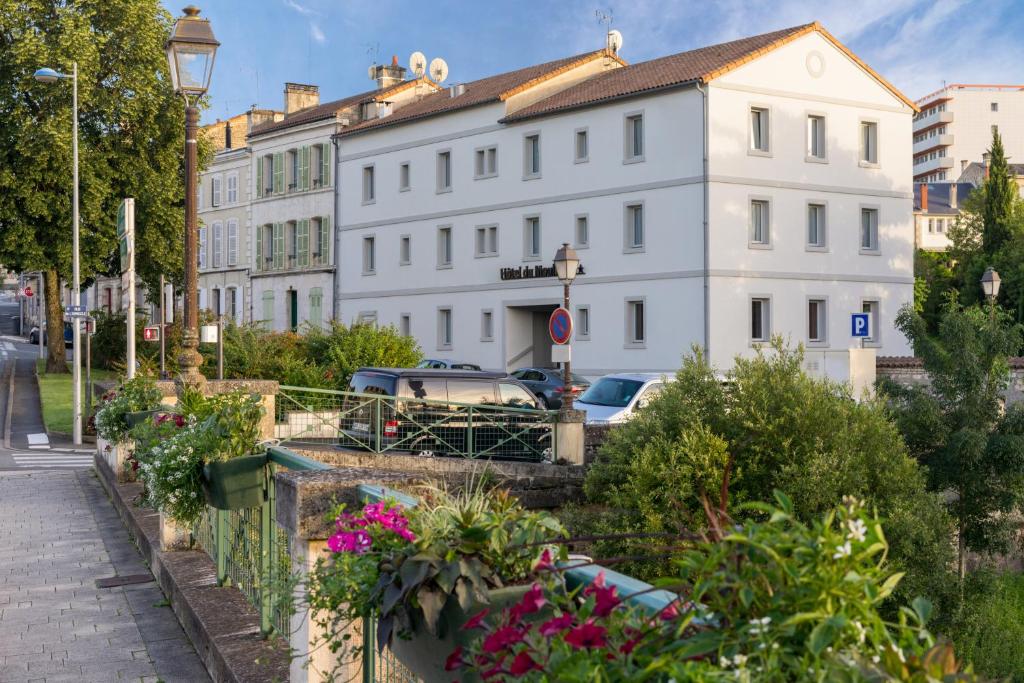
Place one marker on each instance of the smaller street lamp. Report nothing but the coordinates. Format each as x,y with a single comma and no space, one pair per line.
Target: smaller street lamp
567,263
990,285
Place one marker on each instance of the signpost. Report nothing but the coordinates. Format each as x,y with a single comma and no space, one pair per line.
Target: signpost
126,238
860,325
151,333
560,329
28,291
74,311
90,329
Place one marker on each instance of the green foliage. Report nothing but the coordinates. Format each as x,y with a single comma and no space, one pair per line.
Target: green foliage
135,395
254,353
340,350
955,427
934,278
780,429
1001,195
991,619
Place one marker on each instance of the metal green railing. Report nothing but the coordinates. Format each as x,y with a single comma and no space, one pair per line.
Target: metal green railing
384,424
250,550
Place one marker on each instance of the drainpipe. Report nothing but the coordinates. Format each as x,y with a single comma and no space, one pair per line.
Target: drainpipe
707,248
337,228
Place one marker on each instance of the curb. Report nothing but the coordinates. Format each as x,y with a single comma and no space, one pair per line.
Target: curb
223,627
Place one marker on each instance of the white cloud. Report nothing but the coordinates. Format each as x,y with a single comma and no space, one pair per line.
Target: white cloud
316,33
301,9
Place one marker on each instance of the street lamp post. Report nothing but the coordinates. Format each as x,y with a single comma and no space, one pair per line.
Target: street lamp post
190,53
990,285
51,76
566,264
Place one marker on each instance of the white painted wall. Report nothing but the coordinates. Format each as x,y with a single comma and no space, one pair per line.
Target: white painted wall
232,162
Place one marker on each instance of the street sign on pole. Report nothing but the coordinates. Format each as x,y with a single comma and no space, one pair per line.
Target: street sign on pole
151,333
74,311
28,291
860,325
560,326
126,236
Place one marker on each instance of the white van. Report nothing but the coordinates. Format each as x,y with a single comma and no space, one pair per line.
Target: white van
613,398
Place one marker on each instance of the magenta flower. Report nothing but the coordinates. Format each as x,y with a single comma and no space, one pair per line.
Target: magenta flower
605,599
357,542
587,636
522,664
476,620
555,626
544,562
531,603
455,660
502,638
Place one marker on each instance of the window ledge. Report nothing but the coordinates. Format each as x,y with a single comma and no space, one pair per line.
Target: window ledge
817,345
486,339
367,202
635,345
531,259
821,249
758,153
404,189
494,255
815,160
581,246
486,176
868,164
760,245
634,160
367,273
870,252
445,190
581,160
634,250
444,266
759,343
441,347
405,263
531,176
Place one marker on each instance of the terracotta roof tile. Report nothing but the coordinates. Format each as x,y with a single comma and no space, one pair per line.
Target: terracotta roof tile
482,91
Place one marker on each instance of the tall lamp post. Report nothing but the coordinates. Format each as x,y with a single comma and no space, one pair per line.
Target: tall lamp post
51,76
990,285
566,264
190,53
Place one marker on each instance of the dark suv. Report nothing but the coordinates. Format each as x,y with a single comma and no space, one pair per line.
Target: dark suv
441,423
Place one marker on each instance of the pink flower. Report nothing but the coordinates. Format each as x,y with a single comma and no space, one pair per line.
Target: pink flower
531,603
475,620
523,663
544,562
357,542
669,613
502,638
605,599
454,660
587,636
557,625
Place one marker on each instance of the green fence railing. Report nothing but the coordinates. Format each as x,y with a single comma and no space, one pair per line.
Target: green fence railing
385,424
250,549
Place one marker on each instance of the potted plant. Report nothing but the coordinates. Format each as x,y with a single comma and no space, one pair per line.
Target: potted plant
138,394
234,474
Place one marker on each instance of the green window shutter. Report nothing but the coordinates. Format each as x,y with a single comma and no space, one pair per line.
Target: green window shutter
325,167
325,240
278,248
259,176
268,309
259,246
316,307
302,242
278,173
304,168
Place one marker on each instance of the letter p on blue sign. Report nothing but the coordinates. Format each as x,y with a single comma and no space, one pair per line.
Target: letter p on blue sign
860,324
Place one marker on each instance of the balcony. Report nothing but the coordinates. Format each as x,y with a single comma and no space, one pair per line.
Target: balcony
932,165
933,120
933,143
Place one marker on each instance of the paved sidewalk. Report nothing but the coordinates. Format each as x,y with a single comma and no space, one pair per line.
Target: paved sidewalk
58,535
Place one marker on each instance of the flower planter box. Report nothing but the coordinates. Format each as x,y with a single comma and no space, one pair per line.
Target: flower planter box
236,483
424,654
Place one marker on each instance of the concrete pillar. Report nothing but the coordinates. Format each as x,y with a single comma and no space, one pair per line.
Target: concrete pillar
569,440
173,536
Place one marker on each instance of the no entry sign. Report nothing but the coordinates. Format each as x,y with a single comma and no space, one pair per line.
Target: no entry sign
560,326
28,290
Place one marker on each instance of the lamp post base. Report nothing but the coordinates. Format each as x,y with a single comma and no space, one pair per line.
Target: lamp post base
190,360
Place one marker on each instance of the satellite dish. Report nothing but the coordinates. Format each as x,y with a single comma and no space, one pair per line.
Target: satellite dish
438,70
614,40
371,72
418,63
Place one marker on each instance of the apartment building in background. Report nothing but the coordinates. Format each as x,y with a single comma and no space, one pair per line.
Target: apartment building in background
716,197
955,124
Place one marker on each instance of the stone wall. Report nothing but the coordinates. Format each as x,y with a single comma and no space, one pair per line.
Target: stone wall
910,372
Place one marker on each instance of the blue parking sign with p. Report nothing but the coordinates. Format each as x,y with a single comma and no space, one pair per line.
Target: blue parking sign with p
861,324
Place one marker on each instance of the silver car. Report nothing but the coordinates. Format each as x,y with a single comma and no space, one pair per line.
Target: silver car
614,398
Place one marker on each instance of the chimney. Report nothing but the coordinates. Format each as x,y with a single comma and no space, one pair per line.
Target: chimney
298,97
924,197
387,76
227,135
952,195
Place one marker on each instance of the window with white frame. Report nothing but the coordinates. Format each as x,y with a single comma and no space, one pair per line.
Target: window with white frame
291,237
405,325
316,307
872,307
581,146
816,137
994,106
869,142
444,328
215,301
816,226
293,169
817,321
582,331
202,247
321,165
369,184
444,247
634,137
531,155
218,244
582,231
487,240
232,306
232,181
267,166
404,250
759,129
215,191
760,233
869,229
531,237
369,255
444,171
634,227
636,322
486,325
760,319
404,176
485,162
268,310
233,242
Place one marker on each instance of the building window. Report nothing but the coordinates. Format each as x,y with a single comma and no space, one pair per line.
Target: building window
816,226
816,137
444,171
634,138
369,185
487,240
316,307
760,233
581,146
444,328
582,231
215,307
293,169
636,323
231,305
444,247
760,319
404,250
872,308
869,229
485,163
291,238
321,165
404,176
486,326
268,310
233,242
816,321
994,106
215,195
202,247
531,156
369,256
218,244
278,165
233,188
531,237
759,130
582,331
869,142
405,325
634,228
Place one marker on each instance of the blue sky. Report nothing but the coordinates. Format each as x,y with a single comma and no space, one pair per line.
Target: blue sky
916,44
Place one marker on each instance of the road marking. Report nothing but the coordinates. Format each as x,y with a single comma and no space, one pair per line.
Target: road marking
38,441
50,462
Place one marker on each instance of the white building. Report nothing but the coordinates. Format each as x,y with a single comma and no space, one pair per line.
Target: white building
716,197
955,124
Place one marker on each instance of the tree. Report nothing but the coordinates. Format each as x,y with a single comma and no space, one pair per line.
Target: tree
1000,196
956,426
131,132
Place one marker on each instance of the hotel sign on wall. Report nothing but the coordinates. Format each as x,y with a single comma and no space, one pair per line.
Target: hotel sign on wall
533,272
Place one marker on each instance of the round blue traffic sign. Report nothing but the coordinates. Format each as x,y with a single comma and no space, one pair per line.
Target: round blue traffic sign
560,326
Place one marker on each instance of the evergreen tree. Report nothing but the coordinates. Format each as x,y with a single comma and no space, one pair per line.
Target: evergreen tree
1000,192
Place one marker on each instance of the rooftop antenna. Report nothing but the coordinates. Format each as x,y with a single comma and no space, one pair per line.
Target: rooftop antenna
612,38
372,51
438,70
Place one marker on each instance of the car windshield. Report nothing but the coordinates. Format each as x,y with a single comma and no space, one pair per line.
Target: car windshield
611,391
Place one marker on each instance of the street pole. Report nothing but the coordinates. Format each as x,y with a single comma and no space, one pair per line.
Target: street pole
163,319
76,329
39,317
190,360
220,347
567,367
88,366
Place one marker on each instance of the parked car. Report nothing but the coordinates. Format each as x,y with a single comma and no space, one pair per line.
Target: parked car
33,335
446,364
613,398
436,426
548,386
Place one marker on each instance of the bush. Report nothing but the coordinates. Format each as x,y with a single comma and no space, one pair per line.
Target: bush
341,350
135,395
990,627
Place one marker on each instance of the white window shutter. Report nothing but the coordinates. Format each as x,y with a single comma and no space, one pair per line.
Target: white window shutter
232,242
